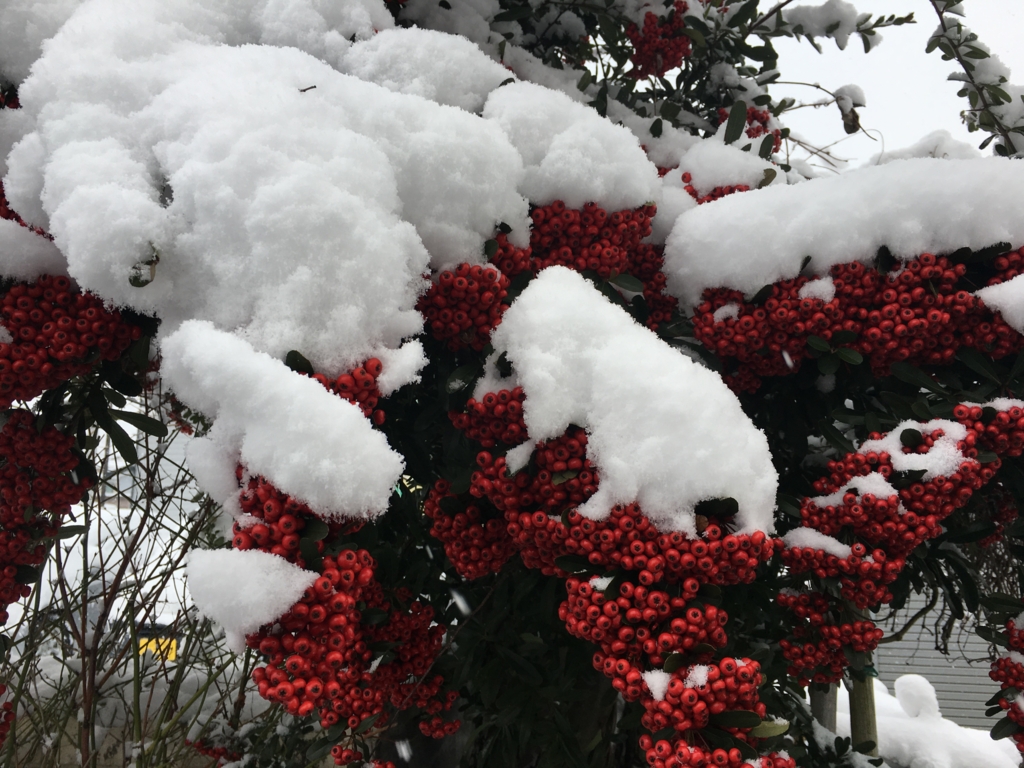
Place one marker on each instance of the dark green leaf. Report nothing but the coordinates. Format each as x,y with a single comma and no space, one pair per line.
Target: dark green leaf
70,531
297,362
736,718
737,122
769,728
367,724
818,344
575,564
851,356
490,248
316,529
766,148
769,176
913,375
627,283
673,662
911,437
140,421
309,552
980,363
828,365
26,574
374,616
1004,728
835,438
515,14
656,128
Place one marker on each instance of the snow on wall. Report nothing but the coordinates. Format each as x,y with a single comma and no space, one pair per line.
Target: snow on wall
915,206
664,431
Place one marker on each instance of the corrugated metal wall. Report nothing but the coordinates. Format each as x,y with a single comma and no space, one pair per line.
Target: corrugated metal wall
961,679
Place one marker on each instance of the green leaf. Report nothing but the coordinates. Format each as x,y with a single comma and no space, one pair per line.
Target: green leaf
124,444
26,574
736,718
694,35
656,128
1003,729
70,531
828,365
140,421
991,635
297,362
769,175
980,363
818,344
515,14
575,564
913,375
673,662
309,552
558,478
374,616
911,437
319,749
766,148
367,724
627,283
585,81
865,747
851,356
769,728
737,122
490,248
316,529
836,438
461,377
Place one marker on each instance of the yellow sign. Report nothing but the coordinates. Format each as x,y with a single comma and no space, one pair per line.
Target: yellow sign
165,648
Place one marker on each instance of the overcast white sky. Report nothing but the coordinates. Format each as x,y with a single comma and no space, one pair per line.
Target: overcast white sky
907,93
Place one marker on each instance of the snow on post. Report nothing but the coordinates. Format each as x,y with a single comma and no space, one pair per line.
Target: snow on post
664,431
914,206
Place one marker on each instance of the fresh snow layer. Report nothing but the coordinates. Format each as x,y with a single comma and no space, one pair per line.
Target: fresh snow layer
823,288
657,683
664,431
24,26
243,590
925,739
712,163
444,68
746,241
943,458
697,676
307,441
1007,299
938,144
836,19
570,152
27,255
812,539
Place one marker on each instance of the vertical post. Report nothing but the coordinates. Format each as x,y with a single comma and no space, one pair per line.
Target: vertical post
823,706
863,726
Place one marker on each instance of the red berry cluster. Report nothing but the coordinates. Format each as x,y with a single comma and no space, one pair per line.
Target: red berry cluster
661,45
1008,671
1002,511
758,122
1008,266
664,754
726,685
715,194
496,417
464,306
359,387
280,520
319,652
57,334
1003,433
916,314
347,755
817,653
511,261
221,754
645,264
475,546
37,489
589,239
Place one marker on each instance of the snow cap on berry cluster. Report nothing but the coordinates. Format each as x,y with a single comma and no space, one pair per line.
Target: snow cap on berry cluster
308,442
571,153
915,206
712,163
1007,299
243,590
942,459
26,255
808,538
664,431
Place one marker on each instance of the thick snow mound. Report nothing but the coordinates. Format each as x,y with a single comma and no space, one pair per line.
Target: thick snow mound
664,431
571,153
915,206
712,163
307,441
938,144
444,68
913,734
243,590
24,26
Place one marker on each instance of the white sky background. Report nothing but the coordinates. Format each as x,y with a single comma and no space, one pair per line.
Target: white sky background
907,93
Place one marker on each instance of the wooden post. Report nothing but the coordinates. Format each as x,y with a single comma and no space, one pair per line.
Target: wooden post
863,726
823,706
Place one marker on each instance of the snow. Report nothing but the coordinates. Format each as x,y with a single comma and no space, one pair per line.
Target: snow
600,583
914,735
938,144
444,68
24,25
914,206
711,163
243,590
697,676
872,483
817,20
823,288
812,539
657,683
570,152
27,255
942,459
728,311
850,96
307,441
469,18
1008,299
664,431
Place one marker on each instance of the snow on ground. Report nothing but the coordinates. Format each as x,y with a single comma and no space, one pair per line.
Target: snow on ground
915,206
663,430
913,734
